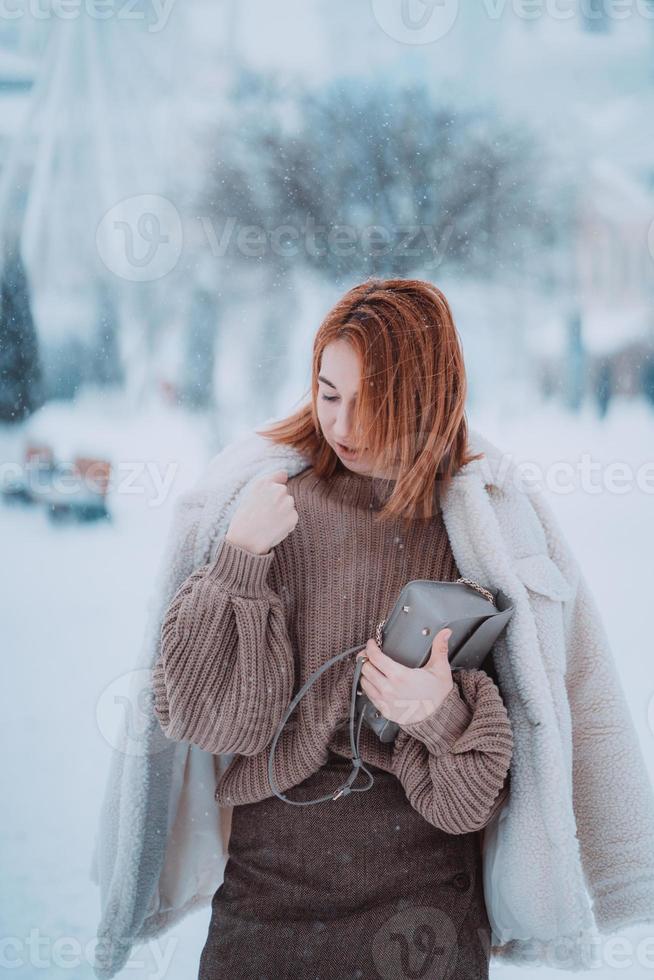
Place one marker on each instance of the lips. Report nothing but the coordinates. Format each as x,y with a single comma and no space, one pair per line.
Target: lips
347,449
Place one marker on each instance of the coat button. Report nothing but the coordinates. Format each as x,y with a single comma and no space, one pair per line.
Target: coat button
461,881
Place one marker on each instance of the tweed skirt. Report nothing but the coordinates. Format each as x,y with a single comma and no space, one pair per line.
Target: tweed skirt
361,887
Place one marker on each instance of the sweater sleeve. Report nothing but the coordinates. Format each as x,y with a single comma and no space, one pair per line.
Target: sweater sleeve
454,764
225,670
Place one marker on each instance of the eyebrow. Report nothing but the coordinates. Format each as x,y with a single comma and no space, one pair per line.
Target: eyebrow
320,378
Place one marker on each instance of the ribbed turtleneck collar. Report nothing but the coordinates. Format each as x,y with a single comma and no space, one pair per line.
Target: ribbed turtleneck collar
360,489
354,489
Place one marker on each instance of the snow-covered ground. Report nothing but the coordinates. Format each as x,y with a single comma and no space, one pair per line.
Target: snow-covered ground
74,603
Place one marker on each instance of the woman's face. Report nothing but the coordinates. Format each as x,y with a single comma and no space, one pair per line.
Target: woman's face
338,386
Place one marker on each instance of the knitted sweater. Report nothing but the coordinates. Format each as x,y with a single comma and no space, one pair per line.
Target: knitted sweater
245,631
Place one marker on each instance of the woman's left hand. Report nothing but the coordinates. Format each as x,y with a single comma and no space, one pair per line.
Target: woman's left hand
407,694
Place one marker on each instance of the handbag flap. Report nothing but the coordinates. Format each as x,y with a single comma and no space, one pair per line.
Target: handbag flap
425,607
474,651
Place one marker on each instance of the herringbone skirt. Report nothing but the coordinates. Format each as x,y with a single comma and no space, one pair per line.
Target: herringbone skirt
361,887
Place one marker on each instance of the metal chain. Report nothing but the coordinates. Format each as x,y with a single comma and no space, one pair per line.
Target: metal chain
486,594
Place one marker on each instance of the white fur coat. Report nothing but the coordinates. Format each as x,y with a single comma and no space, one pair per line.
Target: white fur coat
572,851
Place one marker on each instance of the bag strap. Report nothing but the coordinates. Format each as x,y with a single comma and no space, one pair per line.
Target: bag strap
475,585
357,762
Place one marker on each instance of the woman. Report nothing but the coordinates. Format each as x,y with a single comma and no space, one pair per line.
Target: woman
387,881
577,826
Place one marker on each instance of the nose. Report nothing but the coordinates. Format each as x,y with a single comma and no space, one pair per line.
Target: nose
342,425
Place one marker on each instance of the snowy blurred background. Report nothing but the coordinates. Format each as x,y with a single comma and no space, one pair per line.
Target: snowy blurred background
185,190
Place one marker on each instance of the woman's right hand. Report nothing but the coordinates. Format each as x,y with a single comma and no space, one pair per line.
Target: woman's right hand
265,517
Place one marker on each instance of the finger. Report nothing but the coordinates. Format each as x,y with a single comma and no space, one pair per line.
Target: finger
386,665
372,691
441,640
369,648
373,673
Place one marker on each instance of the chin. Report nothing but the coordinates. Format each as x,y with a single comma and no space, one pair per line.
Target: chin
355,466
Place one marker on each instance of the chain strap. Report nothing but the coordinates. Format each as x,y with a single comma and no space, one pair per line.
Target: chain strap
474,585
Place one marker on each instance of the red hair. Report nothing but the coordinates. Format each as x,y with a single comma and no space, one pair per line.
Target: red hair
410,410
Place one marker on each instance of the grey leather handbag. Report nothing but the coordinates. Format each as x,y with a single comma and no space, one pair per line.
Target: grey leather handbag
476,616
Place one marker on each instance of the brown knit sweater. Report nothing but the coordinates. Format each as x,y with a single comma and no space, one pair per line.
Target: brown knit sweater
245,631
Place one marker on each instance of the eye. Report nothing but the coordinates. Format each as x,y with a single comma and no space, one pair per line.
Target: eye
329,398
